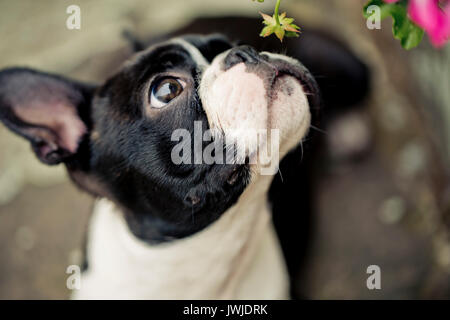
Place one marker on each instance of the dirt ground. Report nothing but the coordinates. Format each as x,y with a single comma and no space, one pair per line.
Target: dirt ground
389,206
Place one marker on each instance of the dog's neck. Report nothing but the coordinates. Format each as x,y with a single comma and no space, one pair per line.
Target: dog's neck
238,256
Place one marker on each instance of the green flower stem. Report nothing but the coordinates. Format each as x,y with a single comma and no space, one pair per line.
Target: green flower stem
277,8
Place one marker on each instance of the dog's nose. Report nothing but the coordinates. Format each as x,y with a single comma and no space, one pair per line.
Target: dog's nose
241,54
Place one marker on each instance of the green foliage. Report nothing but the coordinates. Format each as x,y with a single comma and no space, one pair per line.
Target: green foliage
403,29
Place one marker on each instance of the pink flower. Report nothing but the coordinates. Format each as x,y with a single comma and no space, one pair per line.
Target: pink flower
435,20
433,16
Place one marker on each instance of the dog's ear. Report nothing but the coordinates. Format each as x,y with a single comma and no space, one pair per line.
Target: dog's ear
50,111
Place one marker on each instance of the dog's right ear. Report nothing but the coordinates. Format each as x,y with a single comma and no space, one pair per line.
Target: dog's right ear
48,110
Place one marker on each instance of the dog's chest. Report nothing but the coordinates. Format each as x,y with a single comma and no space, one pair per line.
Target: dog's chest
237,257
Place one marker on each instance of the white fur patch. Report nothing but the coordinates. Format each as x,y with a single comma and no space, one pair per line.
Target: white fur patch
240,106
237,257
236,101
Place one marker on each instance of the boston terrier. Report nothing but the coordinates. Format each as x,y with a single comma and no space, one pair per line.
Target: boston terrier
168,229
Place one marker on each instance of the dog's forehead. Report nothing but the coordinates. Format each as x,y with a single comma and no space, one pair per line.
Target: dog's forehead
171,53
193,50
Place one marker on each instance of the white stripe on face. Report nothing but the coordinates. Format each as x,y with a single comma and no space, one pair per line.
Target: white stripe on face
195,54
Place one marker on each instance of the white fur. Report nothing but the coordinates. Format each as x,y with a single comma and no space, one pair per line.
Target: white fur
237,257
236,102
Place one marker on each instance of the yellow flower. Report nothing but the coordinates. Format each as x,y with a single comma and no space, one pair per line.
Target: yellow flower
282,27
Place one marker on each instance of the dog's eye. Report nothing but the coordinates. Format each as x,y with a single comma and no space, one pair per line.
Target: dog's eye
165,90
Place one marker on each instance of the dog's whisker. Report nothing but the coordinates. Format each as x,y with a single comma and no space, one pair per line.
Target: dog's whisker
318,129
301,147
281,175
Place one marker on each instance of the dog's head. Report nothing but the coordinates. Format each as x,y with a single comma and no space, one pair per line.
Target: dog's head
146,137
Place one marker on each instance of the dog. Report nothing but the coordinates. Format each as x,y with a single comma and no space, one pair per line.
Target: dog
190,230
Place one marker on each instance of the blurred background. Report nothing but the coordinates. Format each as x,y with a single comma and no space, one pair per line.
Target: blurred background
383,190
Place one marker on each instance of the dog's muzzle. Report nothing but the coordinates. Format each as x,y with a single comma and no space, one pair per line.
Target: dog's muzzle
244,91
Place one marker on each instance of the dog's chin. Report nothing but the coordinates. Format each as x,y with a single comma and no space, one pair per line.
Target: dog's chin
243,100
289,111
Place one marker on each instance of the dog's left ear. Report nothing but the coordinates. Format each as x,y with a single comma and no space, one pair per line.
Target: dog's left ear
49,111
